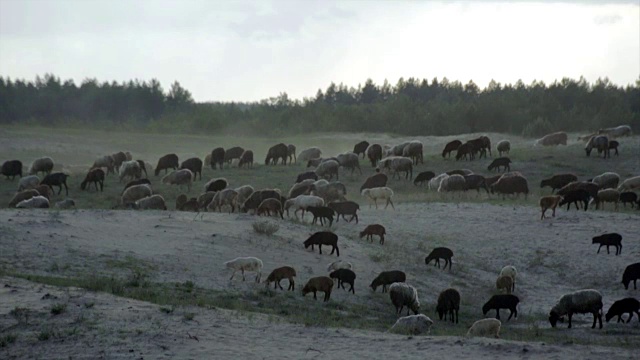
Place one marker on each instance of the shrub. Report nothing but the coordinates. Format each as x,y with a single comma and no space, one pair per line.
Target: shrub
265,227
538,127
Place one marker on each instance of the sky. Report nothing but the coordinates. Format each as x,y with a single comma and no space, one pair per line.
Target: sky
223,50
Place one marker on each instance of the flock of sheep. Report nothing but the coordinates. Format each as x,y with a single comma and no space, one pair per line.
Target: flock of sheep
315,193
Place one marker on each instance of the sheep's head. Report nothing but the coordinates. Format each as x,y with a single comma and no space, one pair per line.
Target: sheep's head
554,318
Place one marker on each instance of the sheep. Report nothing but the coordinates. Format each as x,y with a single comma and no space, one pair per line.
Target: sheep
35,202
374,181
254,200
270,206
401,164
118,159
310,153
386,278
328,169
28,182
448,304
319,283
344,276
383,193
43,164
402,295
130,169
56,179
276,152
216,184
128,155
440,253
557,138
492,180
203,199
608,195
374,154
485,328
169,161
217,158
607,180
135,193
510,270
329,192
44,190
630,184
434,184
222,198
361,148
179,177
500,162
95,176
246,159
243,264
451,146
465,150
412,325
549,202
627,305
482,144
190,205
301,203
463,172
285,272
343,208
414,151
498,302
628,197
591,188
306,176
423,178
350,161
11,168
618,131
374,229
143,167
232,153
302,188
323,238
503,146
65,204
558,181
181,200
23,195
601,143
511,185
504,282
477,182
322,213
207,159
575,197
578,302
397,150
291,152
613,145
193,164
153,202
585,138
339,264
453,183
324,182
610,239
631,272
244,192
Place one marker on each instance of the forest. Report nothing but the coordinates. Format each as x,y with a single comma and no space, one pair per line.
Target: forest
410,107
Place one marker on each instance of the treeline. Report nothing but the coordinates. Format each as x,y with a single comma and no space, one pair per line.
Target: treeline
410,107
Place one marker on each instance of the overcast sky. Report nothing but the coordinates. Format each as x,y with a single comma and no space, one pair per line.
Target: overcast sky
251,50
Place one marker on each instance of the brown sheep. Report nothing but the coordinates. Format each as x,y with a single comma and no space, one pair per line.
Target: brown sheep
269,206
246,159
23,195
44,190
450,147
374,154
276,152
361,148
233,153
504,282
291,149
217,157
465,150
277,275
558,181
95,176
319,283
374,229
374,181
481,144
118,159
181,200
507,185
557,138
191,205
549,202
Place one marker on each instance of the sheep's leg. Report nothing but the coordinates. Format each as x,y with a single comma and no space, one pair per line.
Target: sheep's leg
375,202
391,202
599,247
234,272
243,279
498,313
571,315
608,250
314,296
320,248
291,284
352,289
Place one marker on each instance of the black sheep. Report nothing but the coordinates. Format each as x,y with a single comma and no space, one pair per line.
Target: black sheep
620,307
500,162
374,181
322,213
448,304
344,276
611,239
143,167
387,278
95,176
56,179
216,185
613,145
451,146
628,197
343,208
323,238
169,161
574,197
217,157
631,272
275,153
12,168
233,153
440,253
498,302
361,148
307,175
193,164
423,178
476,182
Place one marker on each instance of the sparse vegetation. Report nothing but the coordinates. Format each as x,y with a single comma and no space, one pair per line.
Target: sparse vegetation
265,227
58,309
6,340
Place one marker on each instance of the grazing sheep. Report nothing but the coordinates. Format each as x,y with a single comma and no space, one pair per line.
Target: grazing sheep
400,164
576,197
631,272
500,162
310,153
11,168
143,167
66,204
374,154
448,304
217,158
440,253
618,131
344,276
136,182
232,153
412,325
383,193
135,193
323,238
485,328
22,195
620,307
453,183
44,190
328,169
402,295
465,151
578,302
386,278
56,179
613,145
349,161
504,282
244,192
339,264
628,197
246,159
600,143
216,184
630,184
179,177
95,176
322,213
511,185
492,180
193,164
324,182
549,202
451,146
153,202
43,164
423,178
271,207
128,156
301,203
503,146
434,184
306,176
608,180
343,208
397,150
558,181
498,302
301,188
511,271
591,188
476,182
414,151
277,275
36,202
169,161
319,283
118,159
463,172
191,205
276,152
181,200
257,197
374,229
130,169
610,239
243,264
608,195
375,181
222,198
482,144
28,182
329,192
557,138
203,199
361,148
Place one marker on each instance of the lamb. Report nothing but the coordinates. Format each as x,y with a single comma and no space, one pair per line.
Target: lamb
232,153
451,146
608,195
329,192
276,152
322,213
328,169
310,153
169,161
434,184
618,131
243,264
440,253
319,283
575,197
610,239
285,272
244,192
511,271
485,328
339,264
374,181
323,238
344,276
412,325
350,161
193,164
222,198
361,148
608,180
413,151
448,304
135,193
259,196
95,176
627,305
56,179
498,302
11,168
631,272
153,202
130,169
630,184
402,295
217,157
503,146
35,202
423,178
374,229
246,159
270,206
28,182
504,282
383,193
557,138
43,164
549,202
558,181
301,203
66,204
511,185
578,302
477,182
343,208
453,183
179,177
216,184
500,162
23,195
628,197
386,278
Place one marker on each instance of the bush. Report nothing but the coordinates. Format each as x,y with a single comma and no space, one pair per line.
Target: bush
265,227
539,127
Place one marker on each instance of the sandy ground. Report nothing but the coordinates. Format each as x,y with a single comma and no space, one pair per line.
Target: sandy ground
553,257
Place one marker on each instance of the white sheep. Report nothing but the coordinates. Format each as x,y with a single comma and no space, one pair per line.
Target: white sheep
244,192
302,202
504,282
66,204
339,264
320,182
578,302
511,271
243,264
328,168
349,160
310,153
153,202
43,164
607,195
403,294
374,194
412,325
630,184
301,188
36,202
485,328
607,180
434,184
179,177
135,193
224,197
453,183
130,169
503,146
28,182
398,149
